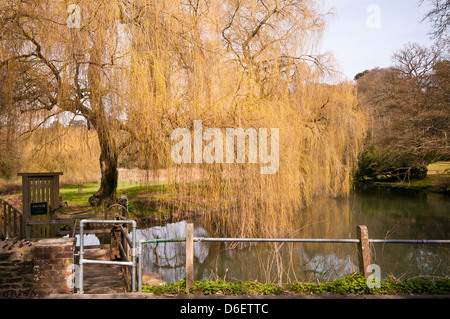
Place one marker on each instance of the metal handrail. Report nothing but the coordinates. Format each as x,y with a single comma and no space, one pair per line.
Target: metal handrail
277,240
323,240
131,263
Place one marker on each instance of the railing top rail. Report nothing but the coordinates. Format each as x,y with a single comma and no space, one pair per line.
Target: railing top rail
10,205
107,221
293,240
125,235
299,240
162,240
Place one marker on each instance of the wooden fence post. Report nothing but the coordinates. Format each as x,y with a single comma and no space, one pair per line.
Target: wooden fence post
363,250
189,256
124,203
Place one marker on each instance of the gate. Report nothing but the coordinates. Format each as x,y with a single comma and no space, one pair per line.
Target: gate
40,200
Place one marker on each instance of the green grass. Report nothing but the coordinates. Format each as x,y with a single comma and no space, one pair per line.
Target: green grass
428,181
354,283
438,176
439,168
72,194
79,194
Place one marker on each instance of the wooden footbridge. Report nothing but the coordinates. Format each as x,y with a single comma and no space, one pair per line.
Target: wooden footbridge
106,267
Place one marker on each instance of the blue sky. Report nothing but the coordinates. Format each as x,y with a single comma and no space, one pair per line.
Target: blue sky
358,45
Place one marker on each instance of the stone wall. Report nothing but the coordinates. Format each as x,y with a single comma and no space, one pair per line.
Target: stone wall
32,269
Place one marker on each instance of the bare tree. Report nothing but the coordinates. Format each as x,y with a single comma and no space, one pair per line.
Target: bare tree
439,16
415,61
408,107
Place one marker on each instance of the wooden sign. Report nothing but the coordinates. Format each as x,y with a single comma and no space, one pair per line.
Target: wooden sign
39,208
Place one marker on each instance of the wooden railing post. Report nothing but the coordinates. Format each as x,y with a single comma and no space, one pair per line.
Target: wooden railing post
189,256
22,226
14,217
8,221
4,220
363,250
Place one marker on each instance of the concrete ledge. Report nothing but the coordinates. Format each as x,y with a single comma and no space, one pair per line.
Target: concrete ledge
250,297
59,242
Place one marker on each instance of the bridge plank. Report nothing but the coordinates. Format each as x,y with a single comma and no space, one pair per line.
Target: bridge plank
102,279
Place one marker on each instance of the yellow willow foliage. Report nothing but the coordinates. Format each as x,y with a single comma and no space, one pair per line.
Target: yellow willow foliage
71,150
138,70
200,66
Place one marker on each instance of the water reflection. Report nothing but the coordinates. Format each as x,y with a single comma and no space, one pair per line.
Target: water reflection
389,216
386,216
168,259
88,240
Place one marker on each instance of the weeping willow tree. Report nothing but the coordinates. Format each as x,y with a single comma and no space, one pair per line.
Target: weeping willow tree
65,70
245,64
138,70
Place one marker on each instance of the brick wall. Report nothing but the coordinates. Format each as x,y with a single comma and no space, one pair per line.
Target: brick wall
16,269
53,265
33,269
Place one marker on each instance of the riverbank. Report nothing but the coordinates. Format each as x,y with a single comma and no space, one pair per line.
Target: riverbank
433,183
437,181
353,284
234,297
400,187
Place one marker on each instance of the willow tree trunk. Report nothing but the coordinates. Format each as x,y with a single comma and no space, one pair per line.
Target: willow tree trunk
109,154
108,165
102,123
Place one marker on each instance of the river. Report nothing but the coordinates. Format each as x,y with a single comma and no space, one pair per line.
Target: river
393,216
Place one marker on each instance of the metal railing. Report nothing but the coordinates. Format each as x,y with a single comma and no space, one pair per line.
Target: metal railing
362,241
83,261
139,253
123,242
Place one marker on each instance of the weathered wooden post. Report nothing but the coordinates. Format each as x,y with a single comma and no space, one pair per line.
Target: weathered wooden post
363,250
189,256
124,202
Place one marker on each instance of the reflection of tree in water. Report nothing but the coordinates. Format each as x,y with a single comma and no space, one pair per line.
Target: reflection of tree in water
406,261
88,240
325,267
389,217
168,259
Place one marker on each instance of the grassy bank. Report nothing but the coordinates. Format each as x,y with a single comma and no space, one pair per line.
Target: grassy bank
354,283
436,181
148,201
79,194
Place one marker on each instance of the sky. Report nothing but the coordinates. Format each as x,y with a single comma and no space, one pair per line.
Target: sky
363,34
